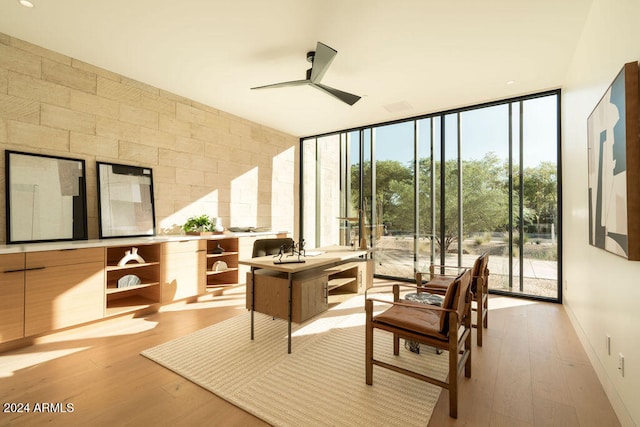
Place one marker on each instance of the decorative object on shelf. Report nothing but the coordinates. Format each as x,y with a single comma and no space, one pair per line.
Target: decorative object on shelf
219,266
249,229
297,249
131,255
218,228
128,281
199,225
218,250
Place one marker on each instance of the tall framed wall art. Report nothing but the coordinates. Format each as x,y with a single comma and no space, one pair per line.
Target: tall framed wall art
614,167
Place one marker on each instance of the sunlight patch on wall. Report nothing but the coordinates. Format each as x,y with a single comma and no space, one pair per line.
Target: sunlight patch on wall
207,204
244,200
283,202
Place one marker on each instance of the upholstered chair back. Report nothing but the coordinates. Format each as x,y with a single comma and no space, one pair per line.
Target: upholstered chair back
479,271
456,298
263,247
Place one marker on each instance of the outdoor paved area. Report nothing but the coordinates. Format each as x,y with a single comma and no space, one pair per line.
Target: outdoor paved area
540,276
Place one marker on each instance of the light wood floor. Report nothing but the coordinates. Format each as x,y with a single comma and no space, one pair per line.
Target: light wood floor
531,371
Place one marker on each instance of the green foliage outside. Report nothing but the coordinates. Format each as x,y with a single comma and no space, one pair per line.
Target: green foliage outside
485,197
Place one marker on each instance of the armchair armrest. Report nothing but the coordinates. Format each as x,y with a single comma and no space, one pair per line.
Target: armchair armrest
414,305
453,274
458,268
403,285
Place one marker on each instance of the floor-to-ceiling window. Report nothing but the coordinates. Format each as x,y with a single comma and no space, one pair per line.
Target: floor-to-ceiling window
445,188
393,228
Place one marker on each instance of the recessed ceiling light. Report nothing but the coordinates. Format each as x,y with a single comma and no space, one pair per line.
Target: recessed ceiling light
398,106
26,3
510,82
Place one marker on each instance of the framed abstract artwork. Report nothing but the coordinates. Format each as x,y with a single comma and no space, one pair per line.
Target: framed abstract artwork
614,167
45,198
125,201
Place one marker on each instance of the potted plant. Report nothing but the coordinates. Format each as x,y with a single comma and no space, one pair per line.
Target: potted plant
199,225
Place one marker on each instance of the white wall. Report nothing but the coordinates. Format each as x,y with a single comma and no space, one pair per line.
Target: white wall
602,293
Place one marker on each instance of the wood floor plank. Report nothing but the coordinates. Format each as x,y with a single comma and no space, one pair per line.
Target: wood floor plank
550,413
531,371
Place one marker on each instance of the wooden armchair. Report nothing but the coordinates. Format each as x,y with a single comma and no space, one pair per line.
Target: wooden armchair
447,327
440,276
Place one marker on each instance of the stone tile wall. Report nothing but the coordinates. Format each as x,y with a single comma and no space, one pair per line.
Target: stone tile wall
203,160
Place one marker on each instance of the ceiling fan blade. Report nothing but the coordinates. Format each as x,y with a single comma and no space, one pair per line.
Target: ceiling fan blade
322,59
284,84
346,97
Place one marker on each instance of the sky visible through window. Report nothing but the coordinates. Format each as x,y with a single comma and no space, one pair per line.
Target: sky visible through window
483,130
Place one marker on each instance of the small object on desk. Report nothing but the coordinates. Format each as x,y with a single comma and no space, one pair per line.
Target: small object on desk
296,249
313,253
289,261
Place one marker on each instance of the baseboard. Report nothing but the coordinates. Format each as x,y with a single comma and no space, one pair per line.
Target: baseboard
612,394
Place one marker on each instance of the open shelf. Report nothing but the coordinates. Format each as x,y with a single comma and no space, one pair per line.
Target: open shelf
343,278
228,270
339,282
128,304
229,276
111,290
130,266
223,254
137,297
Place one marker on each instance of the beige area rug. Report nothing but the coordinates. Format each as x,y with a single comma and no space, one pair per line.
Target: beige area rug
321,383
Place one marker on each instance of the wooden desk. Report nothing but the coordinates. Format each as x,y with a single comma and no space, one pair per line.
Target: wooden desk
329,257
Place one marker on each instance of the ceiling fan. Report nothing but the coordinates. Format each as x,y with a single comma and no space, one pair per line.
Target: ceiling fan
320,61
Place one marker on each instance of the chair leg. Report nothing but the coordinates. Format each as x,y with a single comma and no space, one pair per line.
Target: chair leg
469,348
486,311
479,316
453,368
369,342
396,344
396,337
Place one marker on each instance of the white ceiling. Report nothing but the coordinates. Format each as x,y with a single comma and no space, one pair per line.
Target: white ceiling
404,57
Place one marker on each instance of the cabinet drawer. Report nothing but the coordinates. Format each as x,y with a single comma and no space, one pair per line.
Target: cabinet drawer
64,257
11,262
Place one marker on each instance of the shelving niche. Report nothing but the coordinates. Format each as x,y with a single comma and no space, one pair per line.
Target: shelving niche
229,255
344,278
131,298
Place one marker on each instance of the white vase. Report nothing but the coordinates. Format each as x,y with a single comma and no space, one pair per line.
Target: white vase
219,228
